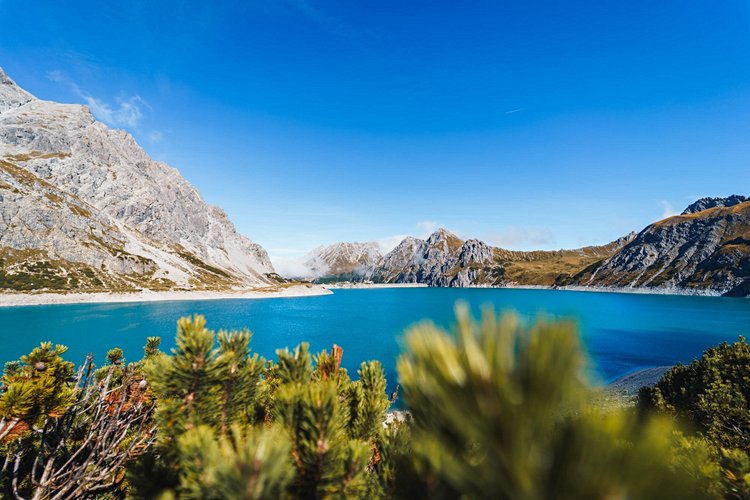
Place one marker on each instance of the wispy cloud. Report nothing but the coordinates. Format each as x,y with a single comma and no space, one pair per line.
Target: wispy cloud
125,111
390,242
291,262
155,136
667,210
513,111
426,227
518,237
423,230
291,267
321,18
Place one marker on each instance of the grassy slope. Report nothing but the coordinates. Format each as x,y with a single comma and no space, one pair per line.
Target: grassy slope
550,268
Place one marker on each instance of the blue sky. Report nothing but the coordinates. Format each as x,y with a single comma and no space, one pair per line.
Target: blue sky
528,124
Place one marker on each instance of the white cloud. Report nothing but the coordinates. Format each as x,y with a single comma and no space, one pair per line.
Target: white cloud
513,237
290,267
426,228
155,136
390,242
667,209
288,262
125,111
56,76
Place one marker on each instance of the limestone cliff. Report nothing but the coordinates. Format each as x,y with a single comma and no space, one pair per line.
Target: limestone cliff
83,207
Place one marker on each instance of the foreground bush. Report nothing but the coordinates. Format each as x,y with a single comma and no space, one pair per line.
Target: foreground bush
66,435
711,395
225,418
502,411
497,410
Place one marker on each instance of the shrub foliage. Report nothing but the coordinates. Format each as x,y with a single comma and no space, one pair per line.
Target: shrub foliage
494,409
711,396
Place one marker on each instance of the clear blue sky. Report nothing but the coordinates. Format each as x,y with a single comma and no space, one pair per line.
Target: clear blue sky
529,124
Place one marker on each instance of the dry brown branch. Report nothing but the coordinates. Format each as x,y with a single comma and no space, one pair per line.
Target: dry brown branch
84,450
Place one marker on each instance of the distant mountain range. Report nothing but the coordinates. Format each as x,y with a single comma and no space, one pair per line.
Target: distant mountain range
84,208
706,249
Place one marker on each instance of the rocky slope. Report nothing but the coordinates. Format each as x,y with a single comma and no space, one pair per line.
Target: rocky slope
341,261
445,260
706,248
83,207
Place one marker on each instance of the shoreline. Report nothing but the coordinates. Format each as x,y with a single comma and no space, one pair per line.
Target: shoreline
569,288
683,292
301,290
41,299
365,286
642,291
630,383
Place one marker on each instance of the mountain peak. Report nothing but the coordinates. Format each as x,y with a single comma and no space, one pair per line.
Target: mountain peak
11,95
442,234
706,203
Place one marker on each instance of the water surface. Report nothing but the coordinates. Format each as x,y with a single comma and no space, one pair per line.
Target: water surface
622,332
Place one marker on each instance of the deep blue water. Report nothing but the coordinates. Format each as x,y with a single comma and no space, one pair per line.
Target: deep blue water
622,332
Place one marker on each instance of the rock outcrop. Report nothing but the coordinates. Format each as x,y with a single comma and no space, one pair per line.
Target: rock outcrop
83,207
706,203
443,259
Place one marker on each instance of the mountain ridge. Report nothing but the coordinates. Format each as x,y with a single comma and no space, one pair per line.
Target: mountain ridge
706,249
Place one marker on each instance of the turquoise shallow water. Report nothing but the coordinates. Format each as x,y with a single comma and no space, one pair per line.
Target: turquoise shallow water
622,332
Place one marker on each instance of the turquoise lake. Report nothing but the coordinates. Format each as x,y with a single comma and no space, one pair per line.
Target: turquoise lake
622,332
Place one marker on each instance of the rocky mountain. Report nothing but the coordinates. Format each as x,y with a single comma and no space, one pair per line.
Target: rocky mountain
341,261
83,207
707,247
706,203
445,260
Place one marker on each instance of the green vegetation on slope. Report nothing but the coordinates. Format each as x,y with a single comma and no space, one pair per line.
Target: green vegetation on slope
35,271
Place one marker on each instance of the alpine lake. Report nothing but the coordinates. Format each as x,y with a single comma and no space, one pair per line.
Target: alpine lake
621,332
